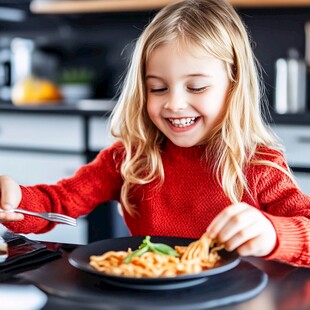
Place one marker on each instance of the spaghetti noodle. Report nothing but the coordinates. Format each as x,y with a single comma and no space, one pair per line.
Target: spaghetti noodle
198,256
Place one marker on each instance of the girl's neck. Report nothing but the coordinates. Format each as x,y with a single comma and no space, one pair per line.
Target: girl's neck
172,148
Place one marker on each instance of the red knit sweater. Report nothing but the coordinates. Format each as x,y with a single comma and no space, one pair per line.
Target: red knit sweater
186,203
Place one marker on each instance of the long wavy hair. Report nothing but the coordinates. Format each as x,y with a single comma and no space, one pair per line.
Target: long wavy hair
216,27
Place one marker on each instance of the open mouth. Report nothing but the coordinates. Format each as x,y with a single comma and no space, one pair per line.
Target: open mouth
183,122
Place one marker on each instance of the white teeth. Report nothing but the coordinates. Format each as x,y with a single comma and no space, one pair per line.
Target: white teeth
182,122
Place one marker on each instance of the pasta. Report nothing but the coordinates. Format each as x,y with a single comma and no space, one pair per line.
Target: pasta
198,256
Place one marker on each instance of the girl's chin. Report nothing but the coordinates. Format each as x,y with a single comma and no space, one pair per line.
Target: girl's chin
183,143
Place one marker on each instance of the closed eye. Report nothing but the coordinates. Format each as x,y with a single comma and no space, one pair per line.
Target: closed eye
197,90
158,90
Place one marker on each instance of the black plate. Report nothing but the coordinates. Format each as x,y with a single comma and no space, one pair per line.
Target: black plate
79,258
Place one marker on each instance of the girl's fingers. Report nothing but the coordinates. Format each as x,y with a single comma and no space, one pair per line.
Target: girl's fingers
10,193
10,216
223,218
257,246
10,196
242,237
243,228
237,224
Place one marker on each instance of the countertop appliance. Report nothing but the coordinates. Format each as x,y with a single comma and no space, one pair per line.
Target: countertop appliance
5,74
23,58
291,80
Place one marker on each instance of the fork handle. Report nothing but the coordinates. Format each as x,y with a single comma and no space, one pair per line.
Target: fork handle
26,212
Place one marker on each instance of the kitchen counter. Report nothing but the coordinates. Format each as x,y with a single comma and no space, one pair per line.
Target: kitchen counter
291,119
83,107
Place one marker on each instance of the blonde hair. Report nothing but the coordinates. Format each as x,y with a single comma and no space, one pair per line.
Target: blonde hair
215,26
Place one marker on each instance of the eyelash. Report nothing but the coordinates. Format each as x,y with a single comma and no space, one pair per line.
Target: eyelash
158,90
194,90
197,90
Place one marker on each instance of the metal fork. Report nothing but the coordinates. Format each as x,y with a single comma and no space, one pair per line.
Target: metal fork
49,216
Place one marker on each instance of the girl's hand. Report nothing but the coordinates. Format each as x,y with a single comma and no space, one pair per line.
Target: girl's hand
243,228
10,197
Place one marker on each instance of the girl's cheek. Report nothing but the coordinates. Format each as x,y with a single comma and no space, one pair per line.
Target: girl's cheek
152,114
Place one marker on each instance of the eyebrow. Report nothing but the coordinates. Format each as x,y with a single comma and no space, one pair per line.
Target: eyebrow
187,75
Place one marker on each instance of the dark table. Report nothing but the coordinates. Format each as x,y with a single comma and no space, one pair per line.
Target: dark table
288,287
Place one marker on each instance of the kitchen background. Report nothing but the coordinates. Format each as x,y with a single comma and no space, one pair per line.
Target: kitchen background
102,42
94,48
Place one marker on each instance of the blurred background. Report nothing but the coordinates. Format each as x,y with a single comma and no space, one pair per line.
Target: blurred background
93,48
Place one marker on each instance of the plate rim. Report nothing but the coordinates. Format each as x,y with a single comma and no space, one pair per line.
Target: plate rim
233,262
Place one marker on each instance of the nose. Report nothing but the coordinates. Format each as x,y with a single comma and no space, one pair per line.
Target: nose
175,101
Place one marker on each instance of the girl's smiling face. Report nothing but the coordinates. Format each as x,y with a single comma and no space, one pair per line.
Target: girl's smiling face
186,93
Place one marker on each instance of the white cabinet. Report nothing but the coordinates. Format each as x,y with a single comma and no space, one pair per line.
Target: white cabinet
42,131
99,133
29,168
296,140
303,179
42,148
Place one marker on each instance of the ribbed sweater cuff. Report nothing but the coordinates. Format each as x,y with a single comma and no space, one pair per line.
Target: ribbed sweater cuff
30,224
292,240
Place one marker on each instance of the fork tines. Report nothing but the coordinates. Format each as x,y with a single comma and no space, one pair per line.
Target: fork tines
62,219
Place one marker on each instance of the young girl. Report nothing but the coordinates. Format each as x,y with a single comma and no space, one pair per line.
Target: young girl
193,153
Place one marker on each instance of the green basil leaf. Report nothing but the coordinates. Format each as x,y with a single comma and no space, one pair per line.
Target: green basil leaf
142,245
164,249
155,250
147,239
147,245
138,252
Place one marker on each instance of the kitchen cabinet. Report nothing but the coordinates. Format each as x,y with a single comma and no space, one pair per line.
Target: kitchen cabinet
44,132
43,149
296,140
303,180
99,135
84,6
45,145
31,167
